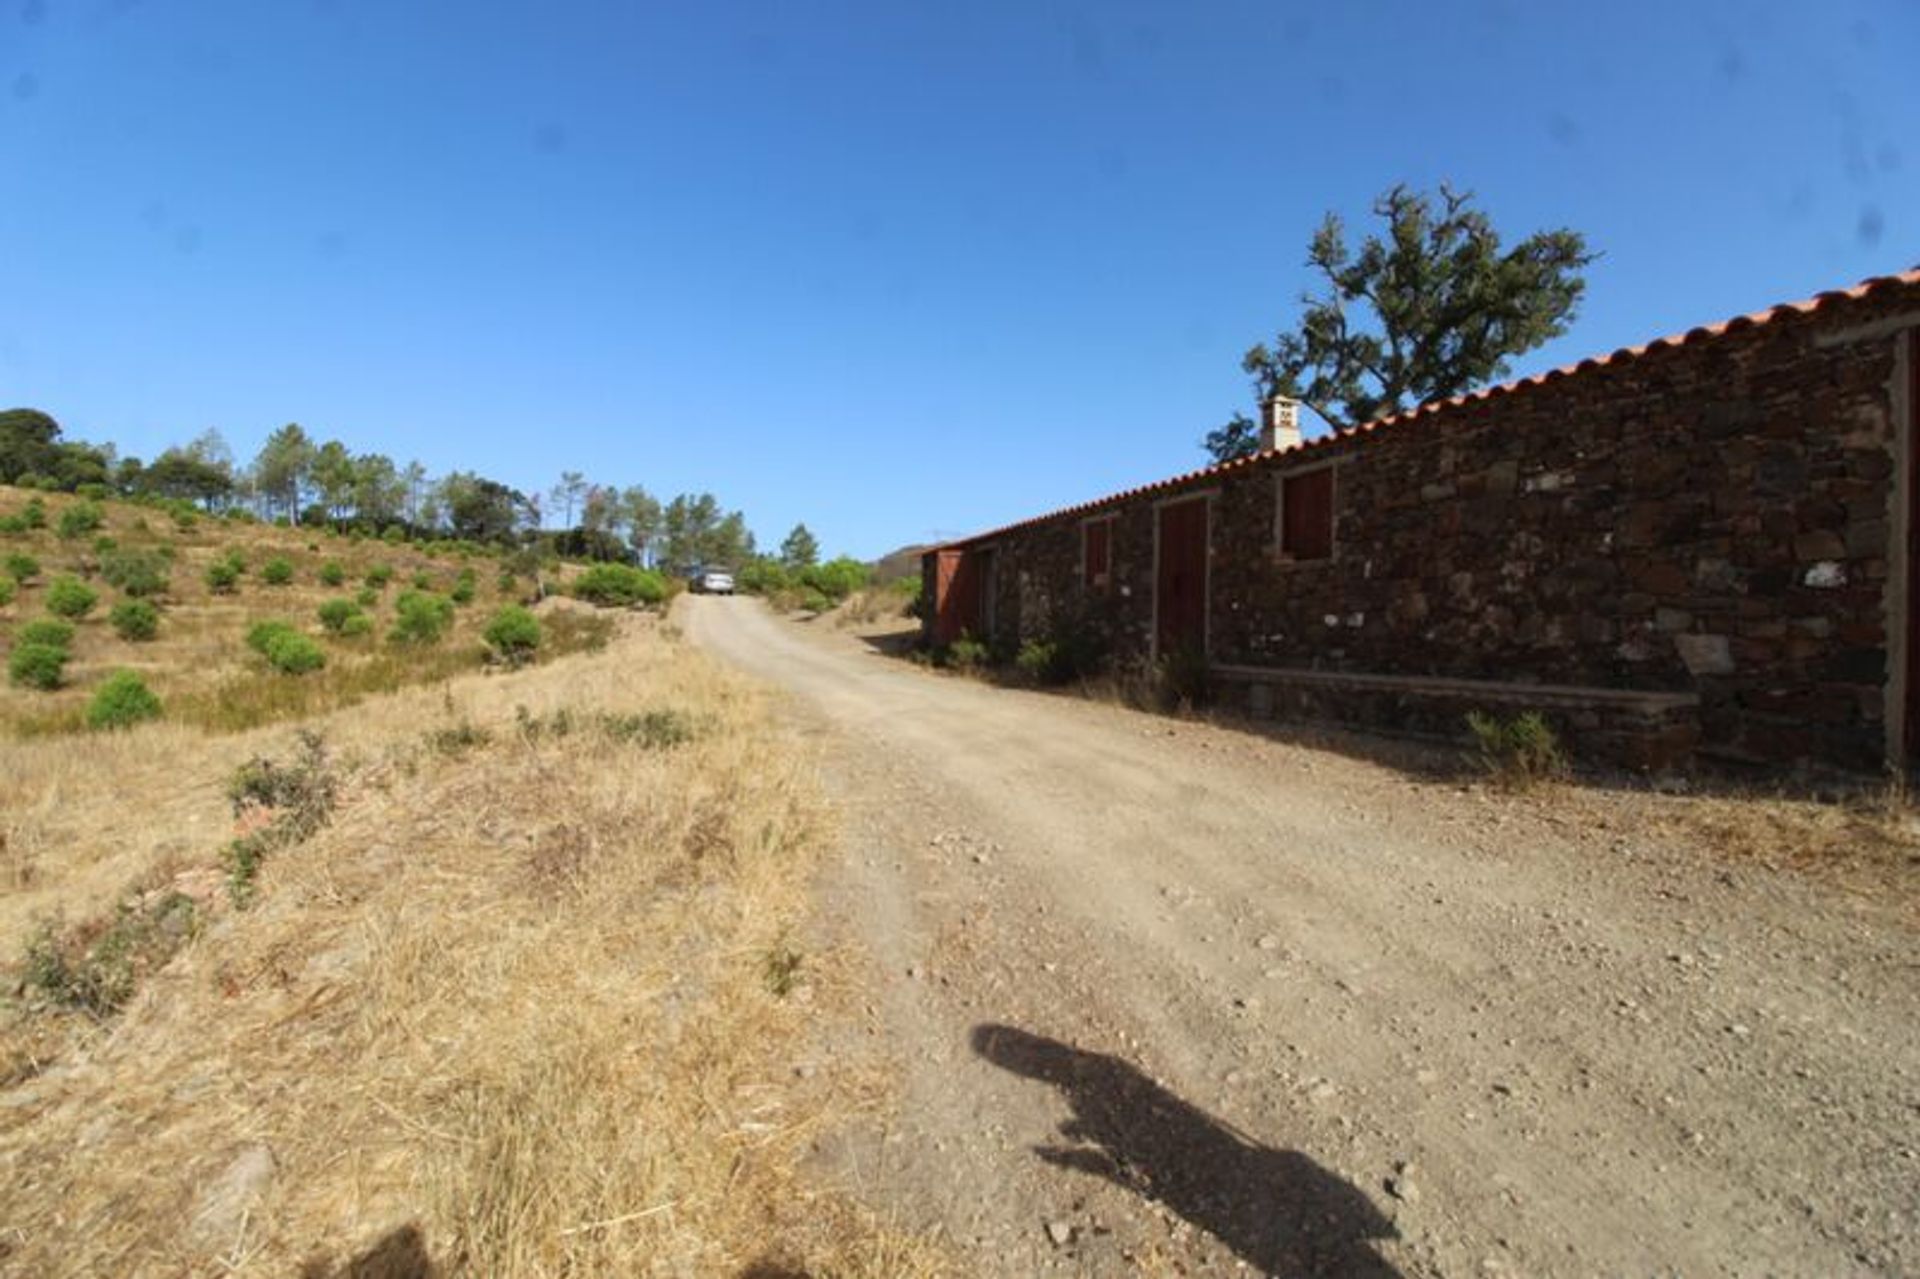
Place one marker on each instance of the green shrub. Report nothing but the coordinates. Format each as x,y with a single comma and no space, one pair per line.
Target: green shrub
813,601
262,634
222,577
236,561
135,573
1517,752
34,513
277,571
619,586
367,597
70,597
21,568
965,653
464,587
420,617
299,797
8,589
836,579
379,575
50,631
359,626
1182,676
79,520
95,970
422,582
135,620
333,573
513,635
292,653
40,666
104,545
335,614
121,701
12,525
1036,658
93,491
185,517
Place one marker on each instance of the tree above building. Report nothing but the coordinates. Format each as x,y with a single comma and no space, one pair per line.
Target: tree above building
1431,310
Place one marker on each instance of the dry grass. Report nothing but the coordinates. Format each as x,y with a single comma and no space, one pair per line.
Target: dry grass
512,1013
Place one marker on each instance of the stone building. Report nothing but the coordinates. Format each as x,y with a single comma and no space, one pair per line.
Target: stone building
1700,544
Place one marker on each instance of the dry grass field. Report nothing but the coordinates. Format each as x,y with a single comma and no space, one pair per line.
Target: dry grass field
502,985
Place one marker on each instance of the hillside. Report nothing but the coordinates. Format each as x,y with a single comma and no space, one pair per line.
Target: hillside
410,964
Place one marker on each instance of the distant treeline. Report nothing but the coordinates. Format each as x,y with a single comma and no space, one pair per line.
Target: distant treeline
297,480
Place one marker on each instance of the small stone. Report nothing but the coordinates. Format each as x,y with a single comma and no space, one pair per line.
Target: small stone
1060,1232
224,1206
913,972
1269,942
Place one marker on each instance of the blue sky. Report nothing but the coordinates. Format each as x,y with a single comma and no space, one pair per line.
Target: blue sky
898,270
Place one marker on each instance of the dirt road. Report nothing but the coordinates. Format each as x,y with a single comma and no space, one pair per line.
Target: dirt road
1173,998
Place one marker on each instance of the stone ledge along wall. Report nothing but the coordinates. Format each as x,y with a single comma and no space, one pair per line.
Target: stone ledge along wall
1711,517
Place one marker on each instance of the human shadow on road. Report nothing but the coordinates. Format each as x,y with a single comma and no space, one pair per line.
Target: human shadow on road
1277,1209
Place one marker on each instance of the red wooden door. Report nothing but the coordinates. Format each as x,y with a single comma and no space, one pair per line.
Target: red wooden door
1180,579
1912,532
956,599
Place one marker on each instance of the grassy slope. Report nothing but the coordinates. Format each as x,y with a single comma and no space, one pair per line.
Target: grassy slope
198,663
510,1011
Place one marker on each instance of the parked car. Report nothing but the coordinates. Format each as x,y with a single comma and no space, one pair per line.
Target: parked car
713,581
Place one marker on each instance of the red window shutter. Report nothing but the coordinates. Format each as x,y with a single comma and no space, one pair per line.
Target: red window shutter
1306,505
1099,553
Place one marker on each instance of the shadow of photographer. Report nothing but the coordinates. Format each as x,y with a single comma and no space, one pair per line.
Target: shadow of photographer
1277,1210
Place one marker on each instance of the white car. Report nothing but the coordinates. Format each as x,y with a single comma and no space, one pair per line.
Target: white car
714,582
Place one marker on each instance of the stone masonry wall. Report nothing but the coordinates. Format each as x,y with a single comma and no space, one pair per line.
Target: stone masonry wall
1712,517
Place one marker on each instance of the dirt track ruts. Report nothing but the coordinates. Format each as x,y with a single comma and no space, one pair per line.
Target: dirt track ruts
1174,997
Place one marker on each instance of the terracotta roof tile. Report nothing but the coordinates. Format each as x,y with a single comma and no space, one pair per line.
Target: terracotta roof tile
1738,323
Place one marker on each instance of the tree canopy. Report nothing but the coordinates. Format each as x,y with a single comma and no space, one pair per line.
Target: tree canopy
1238,436
801,549
1449,308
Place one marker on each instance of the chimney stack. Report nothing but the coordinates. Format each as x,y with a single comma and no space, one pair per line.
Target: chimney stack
1280,424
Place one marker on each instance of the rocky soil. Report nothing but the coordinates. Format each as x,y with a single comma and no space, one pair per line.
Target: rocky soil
1172,998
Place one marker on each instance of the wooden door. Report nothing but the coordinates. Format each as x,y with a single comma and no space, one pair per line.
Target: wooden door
1912,533
1180,578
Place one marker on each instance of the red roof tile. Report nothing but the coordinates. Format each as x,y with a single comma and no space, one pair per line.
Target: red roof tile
1738,323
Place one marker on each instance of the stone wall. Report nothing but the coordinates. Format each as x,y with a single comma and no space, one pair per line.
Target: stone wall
1712,517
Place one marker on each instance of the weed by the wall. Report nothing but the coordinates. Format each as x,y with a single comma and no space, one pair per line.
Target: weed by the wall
1516,752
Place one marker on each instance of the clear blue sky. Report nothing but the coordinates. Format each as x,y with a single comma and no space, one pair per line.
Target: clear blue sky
896,269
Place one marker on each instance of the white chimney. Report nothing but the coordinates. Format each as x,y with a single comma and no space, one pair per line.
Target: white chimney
1280,425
